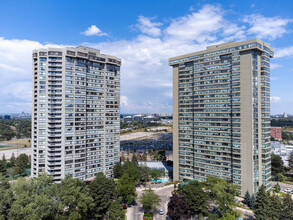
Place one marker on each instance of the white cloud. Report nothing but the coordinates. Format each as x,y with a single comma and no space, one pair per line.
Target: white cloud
123,101
16,73
275,66
146,26
284,52
146,78
275,99
266,27
204,25
93,30
198,26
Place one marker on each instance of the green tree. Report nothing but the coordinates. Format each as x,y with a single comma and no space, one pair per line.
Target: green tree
262,204
103,191
178,207
222,193
275,207
156,156
126,189
247,199
144,157
156,174
22,161
122,157
195,197
75,198
150,200
116,211
230,216
4,159
16,171
3,170
277,188
277,164
287,210
132,170
12,160
118,170
290,160
144,174
6,198
134,159
162,155
280,177
35,199
252,202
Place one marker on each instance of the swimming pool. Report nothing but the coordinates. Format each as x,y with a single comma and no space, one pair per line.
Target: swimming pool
161,180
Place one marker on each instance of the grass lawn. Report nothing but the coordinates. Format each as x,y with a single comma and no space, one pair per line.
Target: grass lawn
19,143
3,146
289,178
287,129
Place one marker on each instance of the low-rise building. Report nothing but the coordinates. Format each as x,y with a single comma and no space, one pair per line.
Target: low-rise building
127,119
137,118
167,170
276,133
282,150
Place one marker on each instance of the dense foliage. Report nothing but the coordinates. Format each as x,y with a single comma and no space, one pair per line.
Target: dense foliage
287,136
22,129
290,160
199,197
277,164
249,200
282,122
270,206
150,200
15,166
138,173
178,208
40,198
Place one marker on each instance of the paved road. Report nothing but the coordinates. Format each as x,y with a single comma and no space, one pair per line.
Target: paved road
246,214
283,185
135,212
165,194
17,152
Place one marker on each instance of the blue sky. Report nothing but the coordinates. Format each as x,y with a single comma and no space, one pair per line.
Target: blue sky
144,34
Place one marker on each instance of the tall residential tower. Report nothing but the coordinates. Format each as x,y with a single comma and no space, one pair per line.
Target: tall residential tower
76,109
221,111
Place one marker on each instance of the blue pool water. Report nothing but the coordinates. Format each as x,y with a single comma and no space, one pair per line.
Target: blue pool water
162,180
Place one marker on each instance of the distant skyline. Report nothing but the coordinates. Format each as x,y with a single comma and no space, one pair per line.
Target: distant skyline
144,34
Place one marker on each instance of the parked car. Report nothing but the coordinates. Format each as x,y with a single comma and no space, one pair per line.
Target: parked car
161,212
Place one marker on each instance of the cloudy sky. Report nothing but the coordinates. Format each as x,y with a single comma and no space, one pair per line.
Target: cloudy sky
144,34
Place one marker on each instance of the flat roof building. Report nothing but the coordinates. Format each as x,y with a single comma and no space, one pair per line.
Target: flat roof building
76,109
276,133
221,114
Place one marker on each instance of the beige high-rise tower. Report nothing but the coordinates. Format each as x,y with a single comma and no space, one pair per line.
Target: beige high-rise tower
76,109
221,111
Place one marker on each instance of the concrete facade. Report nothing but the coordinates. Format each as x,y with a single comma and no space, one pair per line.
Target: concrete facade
221,113
76,109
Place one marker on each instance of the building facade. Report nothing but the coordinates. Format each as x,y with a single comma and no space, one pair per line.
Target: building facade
76,110
221,113
276,133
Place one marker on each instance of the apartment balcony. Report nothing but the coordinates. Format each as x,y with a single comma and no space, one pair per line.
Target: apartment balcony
54,143
54,172
54,128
